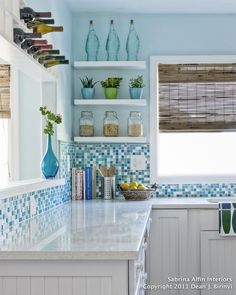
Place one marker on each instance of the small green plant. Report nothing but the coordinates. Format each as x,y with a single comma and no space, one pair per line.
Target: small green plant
136,82
88,82
50,120
112,82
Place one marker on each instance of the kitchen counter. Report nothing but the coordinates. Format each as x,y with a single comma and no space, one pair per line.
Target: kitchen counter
88,230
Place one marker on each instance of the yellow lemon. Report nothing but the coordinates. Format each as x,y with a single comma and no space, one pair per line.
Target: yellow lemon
133,186
124,186
133,183
142,187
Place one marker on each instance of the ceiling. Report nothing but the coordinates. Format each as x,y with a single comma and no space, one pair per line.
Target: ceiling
154,6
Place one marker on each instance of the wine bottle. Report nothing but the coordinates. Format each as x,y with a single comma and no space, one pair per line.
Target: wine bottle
92,44
52,63
30,42
20,35
113,43
38,21
28,14
47,58
41,53
32,50
132,43
44,29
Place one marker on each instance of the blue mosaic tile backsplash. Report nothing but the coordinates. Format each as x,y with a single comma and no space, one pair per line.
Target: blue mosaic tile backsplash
16,209
80,155
196,190
118,155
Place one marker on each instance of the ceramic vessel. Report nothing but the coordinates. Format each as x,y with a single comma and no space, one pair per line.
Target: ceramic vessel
50,164
87,93
111,93
136,93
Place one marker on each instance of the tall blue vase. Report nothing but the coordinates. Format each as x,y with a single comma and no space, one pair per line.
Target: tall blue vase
50,164
92,44
112,44
132,43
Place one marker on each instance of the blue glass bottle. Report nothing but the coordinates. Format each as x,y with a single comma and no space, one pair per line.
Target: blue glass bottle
132,43
92,44
50,164
113,43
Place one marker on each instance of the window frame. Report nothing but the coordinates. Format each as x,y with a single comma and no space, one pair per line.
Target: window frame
13,126
154,113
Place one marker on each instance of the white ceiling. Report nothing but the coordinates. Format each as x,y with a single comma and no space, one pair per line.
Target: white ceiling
154,6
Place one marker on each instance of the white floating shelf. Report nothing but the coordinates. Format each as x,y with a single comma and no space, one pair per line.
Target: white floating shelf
113,102
110,139
114,65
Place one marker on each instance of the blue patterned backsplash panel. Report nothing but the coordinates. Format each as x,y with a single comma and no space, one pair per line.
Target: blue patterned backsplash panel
80,155
16,209
196,190
118,155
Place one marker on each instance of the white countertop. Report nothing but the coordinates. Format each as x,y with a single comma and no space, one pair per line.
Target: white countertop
89,230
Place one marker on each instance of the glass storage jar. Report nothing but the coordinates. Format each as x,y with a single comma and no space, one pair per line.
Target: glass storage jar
86,124
135,124
111,124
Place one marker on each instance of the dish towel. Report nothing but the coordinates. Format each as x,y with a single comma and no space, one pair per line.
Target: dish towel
227,219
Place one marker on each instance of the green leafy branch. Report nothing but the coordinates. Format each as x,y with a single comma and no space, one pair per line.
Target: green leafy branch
50,120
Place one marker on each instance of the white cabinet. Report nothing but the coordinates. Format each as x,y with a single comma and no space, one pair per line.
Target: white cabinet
63,277
180,246
75,277
168,247
218,257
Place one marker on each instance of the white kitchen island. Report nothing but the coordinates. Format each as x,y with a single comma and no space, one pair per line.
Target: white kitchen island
88,248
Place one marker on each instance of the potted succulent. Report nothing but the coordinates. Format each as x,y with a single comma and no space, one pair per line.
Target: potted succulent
111,86
88,90
136,87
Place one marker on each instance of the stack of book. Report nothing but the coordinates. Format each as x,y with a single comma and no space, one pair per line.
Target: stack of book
84,183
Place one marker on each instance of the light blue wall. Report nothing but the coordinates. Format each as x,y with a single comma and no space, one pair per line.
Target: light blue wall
159,35
62,41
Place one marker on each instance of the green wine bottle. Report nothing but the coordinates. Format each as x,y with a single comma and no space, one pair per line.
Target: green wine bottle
53,63
47,58
42,53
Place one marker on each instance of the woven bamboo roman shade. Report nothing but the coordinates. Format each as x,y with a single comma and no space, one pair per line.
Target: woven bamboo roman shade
5,111
197,97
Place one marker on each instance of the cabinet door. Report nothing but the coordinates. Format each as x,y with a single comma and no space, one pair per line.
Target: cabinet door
218,258
168,247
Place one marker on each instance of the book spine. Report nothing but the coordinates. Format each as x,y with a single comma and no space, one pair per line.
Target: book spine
94,181
88,183
84,187
79,184
73,185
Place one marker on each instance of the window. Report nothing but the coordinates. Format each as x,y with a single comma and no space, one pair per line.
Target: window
196,101
5,114
195,120
197,154
4,164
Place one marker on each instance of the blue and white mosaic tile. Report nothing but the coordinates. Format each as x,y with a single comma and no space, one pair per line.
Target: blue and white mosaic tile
16,209
80,155
197,190
118,155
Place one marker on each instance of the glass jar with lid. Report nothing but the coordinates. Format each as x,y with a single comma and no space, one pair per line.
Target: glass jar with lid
135,124
86,124
111,124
